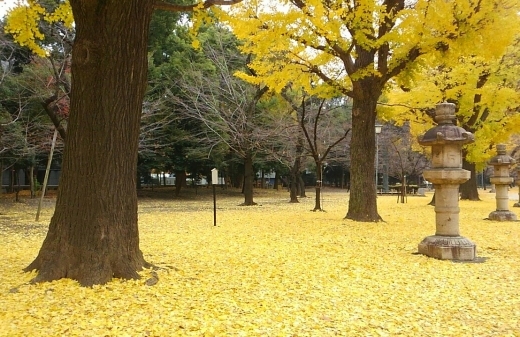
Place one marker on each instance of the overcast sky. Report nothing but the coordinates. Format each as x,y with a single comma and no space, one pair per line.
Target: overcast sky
5,5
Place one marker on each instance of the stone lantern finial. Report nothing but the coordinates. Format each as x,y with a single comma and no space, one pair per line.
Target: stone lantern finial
445,113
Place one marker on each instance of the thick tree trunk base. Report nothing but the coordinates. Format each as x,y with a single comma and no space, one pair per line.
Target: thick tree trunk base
361,218
93,235
469,190
53,266
470,197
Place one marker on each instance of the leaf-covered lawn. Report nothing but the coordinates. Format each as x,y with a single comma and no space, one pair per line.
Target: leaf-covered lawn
276,269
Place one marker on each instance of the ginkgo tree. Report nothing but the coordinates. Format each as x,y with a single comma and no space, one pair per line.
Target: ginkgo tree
357,48
483,86
93,234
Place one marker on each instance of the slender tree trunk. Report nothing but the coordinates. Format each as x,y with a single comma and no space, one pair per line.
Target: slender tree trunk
93,235
12,181
469,189
342,178
403,188
276,185
302,186
16,185
248,180
319,184
294,181
362,204
1,176
31,181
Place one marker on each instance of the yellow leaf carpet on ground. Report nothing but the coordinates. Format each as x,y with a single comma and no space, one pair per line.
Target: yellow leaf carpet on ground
276,269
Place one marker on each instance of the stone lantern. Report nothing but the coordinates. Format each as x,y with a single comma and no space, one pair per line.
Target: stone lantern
501,164
446,140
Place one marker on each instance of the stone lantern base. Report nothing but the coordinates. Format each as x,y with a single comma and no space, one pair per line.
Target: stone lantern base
502,216
448,248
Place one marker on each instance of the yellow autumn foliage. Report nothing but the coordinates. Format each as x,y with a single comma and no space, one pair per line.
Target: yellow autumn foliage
23,22
276,269
292,40
479,74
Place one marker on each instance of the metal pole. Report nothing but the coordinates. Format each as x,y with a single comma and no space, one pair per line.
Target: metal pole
214,206
214,181
377,157
321,189
46,174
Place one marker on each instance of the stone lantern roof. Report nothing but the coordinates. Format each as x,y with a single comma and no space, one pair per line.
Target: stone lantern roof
445,132
501,158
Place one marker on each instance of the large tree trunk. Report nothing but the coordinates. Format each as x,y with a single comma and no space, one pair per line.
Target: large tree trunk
248,180
362,205
93,235
469,189
180,181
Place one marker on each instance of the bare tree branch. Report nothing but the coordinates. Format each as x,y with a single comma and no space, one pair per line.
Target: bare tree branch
189,8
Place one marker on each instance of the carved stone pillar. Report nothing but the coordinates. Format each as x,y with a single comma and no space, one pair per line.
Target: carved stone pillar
446,140
501,164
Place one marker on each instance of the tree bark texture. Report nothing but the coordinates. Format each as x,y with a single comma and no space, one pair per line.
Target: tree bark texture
294,181
248,179
31,181
1,176
295,171
319,184
180,181
302,186
362,203
469,189
93,234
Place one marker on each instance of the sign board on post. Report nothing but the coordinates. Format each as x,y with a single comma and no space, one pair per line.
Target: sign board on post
214,181
214,176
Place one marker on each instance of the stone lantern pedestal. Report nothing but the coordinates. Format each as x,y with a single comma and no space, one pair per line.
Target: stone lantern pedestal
447,174
501,164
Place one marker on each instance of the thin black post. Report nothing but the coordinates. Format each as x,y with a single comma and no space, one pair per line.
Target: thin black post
214,206
214,181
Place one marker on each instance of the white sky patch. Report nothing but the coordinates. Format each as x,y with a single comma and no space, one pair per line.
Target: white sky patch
6,5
